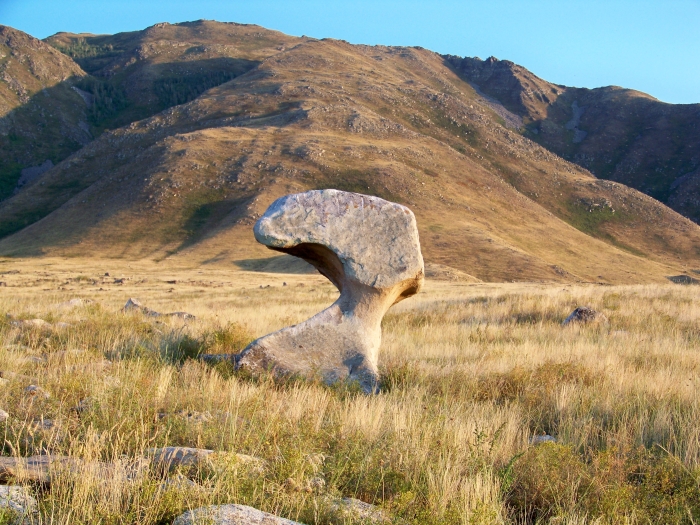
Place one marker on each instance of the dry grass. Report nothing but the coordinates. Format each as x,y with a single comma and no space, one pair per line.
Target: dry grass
472,372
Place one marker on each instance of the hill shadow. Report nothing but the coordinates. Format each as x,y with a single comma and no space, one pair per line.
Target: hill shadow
276,264
58,121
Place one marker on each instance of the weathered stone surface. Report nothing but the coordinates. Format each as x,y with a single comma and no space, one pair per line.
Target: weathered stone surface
20,501
231,515
44,469
369,249
37,469
172,458
585,315
169,459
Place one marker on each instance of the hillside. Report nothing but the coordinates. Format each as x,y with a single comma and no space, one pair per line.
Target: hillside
618,134
190,181
42,119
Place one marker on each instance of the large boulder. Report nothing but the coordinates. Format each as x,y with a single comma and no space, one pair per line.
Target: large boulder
369,249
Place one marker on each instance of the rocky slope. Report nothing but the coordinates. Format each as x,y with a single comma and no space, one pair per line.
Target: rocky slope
190,181
618,134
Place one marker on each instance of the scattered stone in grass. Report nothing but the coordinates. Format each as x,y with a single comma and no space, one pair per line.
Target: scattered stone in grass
585,315
42,469
134,304
214,359
32,323
169,459
354,510
180,482
34,360
83,405
231,515
42,424
196,417
538,440
19,501
4,416
35,469
189,460
73,303
36,392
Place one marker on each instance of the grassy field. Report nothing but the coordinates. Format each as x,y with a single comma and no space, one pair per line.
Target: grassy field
472,373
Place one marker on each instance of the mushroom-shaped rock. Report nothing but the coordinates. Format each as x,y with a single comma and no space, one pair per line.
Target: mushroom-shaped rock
368,248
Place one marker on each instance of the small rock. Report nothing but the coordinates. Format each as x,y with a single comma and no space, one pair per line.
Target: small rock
106,274
180,482
213,359
538,440
42,424
351,509
170,459
73,303
181,315
32,323
34,468
196,417
19,501
585,315
36,391
315,484
135,304
231,515
42,469
4,416
83,405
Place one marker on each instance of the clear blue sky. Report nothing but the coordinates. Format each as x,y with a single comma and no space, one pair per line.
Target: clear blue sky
648,45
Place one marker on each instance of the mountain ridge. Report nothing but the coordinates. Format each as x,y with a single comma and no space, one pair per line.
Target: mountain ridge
189,181
617,133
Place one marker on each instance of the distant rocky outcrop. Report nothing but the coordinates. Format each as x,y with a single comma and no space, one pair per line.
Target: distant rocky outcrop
369,249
